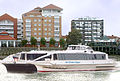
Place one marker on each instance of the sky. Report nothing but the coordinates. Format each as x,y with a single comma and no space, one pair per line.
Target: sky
108,10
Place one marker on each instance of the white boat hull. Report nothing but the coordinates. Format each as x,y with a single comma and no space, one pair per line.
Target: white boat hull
48,67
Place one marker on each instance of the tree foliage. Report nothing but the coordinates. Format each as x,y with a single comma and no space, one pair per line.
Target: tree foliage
24,42
62,42
42,41
33,41
52,41
74,37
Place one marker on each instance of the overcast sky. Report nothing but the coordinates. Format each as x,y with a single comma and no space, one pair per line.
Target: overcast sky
108,10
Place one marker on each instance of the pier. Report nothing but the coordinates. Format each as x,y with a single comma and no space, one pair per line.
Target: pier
107,47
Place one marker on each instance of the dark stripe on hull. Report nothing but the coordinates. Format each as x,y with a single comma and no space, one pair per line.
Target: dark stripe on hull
77,70
21,68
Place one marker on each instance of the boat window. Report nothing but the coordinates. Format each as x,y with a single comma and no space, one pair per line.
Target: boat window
22,57
73,47
34,56
78,47
69,48
55,57
77,56
43,59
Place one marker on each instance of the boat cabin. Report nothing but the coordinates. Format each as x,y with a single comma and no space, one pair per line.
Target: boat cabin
64,55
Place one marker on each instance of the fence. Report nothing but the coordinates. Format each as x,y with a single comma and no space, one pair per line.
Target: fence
11,50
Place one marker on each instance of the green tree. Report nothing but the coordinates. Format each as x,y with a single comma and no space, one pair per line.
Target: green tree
33,41
52,41
42,41
74,37
24,42
62,42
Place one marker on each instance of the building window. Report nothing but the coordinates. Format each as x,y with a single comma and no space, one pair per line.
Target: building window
49,33
49,24
39,16
45,16
45,33
45,20
49,20
39,33
35,33
45,29
35,24
39,24
35,20
45,24
45,38
39,29
35,29
31,15
49,29
39,20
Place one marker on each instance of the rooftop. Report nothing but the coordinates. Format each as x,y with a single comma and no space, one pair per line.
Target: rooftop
51,6
7,17
5,36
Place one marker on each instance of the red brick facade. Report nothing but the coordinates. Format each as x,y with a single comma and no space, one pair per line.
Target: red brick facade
14,20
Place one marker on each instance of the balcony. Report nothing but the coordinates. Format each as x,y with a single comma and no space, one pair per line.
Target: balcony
10,31
6,24
6,28
56,26
56,35
28,35
28,29
19,32
19,28
19,36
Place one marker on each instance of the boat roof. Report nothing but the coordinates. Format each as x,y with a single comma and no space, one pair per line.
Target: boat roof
35,52
79,45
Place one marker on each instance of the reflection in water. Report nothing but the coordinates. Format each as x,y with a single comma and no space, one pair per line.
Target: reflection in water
61,76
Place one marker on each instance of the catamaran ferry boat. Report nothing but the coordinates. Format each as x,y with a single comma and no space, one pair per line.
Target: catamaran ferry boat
75,58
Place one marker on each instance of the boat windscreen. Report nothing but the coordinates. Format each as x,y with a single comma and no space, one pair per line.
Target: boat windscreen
89,48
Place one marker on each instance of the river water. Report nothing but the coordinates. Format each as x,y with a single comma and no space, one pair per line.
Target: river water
62,76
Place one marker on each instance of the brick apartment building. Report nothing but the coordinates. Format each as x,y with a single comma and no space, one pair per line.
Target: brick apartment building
42,22
13,27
